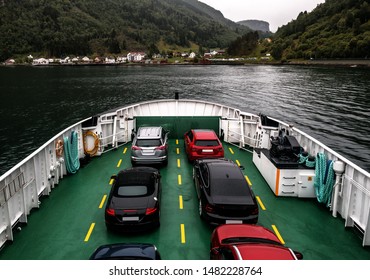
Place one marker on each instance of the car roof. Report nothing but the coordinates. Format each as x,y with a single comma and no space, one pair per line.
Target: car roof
135,175
149,132
204,134
263,252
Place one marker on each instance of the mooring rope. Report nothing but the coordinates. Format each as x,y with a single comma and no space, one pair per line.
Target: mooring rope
71,153
324,179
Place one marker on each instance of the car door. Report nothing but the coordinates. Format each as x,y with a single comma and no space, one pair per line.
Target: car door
187,141
203,179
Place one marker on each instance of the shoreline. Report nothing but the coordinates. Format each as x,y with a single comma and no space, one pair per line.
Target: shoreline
353,63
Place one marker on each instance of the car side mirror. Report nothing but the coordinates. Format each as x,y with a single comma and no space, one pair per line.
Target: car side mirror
216,251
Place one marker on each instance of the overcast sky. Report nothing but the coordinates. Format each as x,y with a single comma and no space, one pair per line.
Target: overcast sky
275,12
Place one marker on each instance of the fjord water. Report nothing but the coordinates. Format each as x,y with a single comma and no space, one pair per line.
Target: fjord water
329,103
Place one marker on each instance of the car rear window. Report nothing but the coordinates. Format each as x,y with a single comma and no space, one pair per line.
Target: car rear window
148,142
132,191
206,143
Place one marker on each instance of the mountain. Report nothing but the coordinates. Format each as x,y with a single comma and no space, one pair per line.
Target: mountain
82,27
257,25
334,29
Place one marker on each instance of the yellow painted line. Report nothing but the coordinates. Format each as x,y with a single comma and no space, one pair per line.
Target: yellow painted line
278,234
182,229
111,181
177,151
125,150
249,181
89,232
119,163
179,179
260,203
181,206
237,162
178,163
231,151
102,201
177,141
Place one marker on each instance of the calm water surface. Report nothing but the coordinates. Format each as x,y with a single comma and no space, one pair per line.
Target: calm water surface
331,104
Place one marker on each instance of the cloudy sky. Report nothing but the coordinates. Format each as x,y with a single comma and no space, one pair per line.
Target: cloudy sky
275,12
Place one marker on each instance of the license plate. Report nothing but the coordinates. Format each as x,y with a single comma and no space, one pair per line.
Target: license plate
129,219
207,151
234,221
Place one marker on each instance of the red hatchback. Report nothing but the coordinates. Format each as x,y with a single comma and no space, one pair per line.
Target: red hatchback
248,242
202,143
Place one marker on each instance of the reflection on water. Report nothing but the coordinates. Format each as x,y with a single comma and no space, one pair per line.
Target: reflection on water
331,104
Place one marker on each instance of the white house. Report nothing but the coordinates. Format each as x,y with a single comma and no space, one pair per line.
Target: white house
136,56
192,55
40,61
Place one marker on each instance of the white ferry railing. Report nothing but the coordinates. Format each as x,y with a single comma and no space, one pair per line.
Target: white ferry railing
37,174
353,201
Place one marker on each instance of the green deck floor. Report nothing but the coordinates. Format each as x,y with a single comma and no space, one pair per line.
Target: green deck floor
59,229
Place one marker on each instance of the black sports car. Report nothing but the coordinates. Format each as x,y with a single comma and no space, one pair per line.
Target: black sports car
134,200
126,251
223,192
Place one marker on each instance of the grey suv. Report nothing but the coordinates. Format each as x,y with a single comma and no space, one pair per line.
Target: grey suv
150,146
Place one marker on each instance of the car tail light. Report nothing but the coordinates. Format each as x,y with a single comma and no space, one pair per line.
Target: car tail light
150,211
194,149
110,212
161,148
254,211
209,208
220,149
135,148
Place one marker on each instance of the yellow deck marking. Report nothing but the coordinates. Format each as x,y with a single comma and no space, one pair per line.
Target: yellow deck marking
179,179
178,163
119,163
177,141
111,181
278,234
237,162
182,229
177,151
181,206
260,203
231,151
102,201
89,232
125,150
249,182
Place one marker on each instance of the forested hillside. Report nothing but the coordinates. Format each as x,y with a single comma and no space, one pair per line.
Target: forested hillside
334,29
80,27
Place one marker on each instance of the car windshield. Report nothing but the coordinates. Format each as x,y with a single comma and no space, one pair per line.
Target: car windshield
148,142
132,191
206,143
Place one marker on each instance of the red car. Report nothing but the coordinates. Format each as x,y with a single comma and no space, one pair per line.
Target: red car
248,242
202,143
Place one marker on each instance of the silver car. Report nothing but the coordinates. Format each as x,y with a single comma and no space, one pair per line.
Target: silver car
150,146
